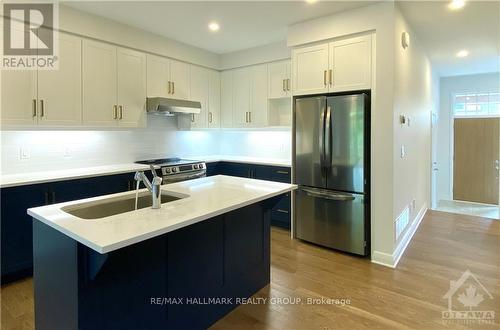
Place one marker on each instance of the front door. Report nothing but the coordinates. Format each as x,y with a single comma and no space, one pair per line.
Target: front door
476,157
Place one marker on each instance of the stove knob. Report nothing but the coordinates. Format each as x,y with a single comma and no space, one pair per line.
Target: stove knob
167,170
174,169
195,166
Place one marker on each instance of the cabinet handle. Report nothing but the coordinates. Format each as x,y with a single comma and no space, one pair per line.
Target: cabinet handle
282,172
33,108
330,76
249,116
115,111
42,109
173,87
288,84
120,108
192,117
324,78
47,202
282,211
284,85
169,88
246,117
53,199
210,117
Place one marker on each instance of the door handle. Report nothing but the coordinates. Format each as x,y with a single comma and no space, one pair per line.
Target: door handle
42,109
329,195
120,108
321,141
328,137
33,108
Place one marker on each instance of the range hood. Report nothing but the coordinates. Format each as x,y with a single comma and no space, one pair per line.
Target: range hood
170,107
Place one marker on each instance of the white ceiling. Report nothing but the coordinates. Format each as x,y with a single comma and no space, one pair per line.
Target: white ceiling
475,27
243,24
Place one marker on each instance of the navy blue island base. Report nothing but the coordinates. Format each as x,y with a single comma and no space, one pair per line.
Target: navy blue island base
185,279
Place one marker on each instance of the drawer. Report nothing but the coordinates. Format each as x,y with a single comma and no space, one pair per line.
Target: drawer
281,174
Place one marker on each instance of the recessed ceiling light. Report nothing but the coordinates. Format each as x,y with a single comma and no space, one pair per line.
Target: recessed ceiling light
311,1
456,4
214,26
463,53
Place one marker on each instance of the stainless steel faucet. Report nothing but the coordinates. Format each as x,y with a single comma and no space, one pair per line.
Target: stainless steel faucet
153,187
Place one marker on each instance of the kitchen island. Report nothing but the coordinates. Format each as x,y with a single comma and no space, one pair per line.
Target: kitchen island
184,265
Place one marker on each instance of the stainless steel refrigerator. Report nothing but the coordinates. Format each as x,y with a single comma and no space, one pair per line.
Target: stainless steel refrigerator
331,166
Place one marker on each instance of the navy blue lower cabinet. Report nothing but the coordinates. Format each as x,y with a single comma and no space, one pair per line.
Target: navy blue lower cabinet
213,168
186,279
16,224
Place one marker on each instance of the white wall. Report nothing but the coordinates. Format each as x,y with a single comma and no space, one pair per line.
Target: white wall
263,54
489,82
413,97
378,18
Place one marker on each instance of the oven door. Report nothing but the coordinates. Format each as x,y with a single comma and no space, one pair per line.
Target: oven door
184,176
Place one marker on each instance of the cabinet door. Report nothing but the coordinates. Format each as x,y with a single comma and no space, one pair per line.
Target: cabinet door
351,62
179,76
226,94
309,69
277,79
242,81
158,75
131,89
199,82
99,84
60,91
214,101
18,98
259,103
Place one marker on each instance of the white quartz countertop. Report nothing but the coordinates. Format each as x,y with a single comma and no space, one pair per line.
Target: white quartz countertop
204,198
12,180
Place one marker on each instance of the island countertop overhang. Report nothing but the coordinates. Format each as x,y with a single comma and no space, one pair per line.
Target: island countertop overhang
207,197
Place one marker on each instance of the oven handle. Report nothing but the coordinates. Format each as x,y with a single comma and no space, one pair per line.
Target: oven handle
182,177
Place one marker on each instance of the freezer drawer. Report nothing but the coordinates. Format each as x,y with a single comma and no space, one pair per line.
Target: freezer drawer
332,219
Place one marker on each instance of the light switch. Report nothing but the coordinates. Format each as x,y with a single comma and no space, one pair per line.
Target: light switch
403,152
25,153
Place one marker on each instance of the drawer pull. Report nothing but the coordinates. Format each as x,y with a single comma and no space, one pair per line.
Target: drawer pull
282,211
282,172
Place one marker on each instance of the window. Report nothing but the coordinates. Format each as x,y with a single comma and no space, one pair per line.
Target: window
476,104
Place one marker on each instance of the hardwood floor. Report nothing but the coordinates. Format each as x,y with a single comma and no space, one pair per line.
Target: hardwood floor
410,296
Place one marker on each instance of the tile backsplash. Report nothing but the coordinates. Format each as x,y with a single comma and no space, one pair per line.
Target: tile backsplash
29,151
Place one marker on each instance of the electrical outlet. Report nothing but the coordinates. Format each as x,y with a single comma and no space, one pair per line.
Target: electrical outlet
24,153
67,151
282,147
414,204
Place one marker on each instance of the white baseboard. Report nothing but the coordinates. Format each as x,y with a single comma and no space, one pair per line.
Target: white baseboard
392,260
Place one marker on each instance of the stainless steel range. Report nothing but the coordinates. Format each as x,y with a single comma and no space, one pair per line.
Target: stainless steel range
177,169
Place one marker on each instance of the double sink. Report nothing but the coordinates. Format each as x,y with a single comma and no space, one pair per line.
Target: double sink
117,205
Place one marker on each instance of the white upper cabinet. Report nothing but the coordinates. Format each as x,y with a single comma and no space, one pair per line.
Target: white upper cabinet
351,64
214,99
45,97
310,68
19,98
199,90
179,78
60,91
99,84
242,83
114,85
131,87
259,92
279,79
226,94
337,66
158,76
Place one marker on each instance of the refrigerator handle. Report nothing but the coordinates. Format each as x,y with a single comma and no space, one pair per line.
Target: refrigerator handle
328,137
329,195
322,139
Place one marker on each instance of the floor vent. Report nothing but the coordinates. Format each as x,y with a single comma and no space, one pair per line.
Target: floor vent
401,222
